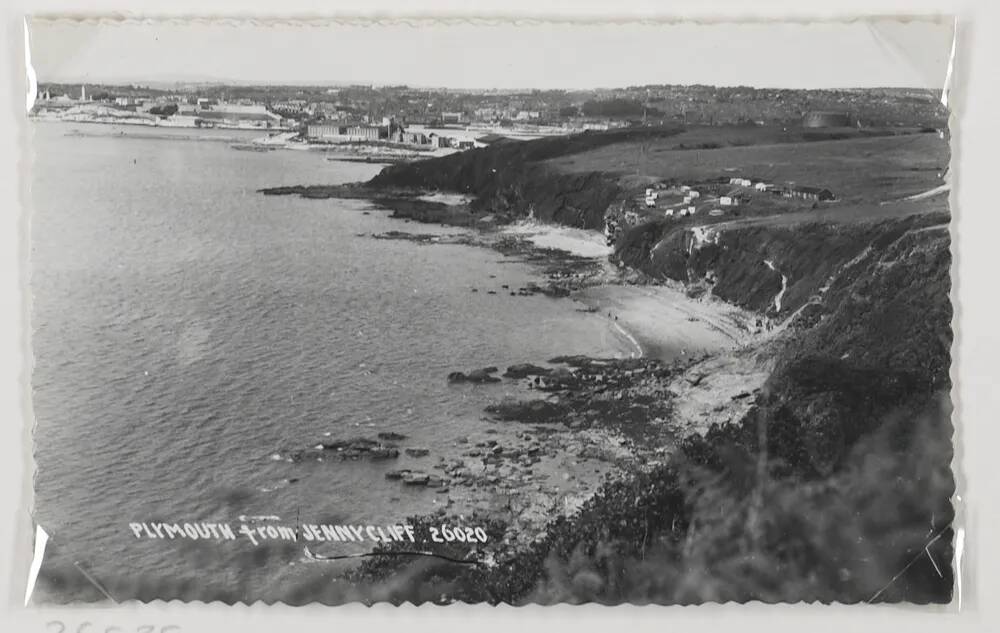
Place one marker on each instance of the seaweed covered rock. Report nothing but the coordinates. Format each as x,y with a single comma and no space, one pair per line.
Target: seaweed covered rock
349,449
530,411
475,376
523,370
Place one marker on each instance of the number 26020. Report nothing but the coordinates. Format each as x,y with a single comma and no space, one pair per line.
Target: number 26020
58,626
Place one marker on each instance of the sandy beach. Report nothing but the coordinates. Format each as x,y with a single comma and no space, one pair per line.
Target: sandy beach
659,322
665,323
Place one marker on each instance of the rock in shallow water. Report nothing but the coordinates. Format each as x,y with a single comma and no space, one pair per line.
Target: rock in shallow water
353,449
523,370
476,375
416,479
538,411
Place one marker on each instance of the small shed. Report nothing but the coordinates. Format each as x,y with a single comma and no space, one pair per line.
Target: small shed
814,193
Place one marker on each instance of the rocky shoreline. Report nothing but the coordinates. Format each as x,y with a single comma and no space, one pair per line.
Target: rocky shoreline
595,421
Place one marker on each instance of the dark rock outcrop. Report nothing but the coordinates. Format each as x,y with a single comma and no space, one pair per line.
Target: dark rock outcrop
475,376
350,449
536,411
523,370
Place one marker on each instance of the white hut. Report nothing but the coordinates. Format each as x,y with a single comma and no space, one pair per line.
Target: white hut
668,213
690,210
694,194
727,201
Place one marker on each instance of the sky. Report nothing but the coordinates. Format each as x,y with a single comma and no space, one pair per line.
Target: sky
464,55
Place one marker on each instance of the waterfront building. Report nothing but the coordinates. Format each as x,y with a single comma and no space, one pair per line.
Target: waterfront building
360,132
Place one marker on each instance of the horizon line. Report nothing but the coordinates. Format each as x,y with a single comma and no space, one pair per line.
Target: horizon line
150,83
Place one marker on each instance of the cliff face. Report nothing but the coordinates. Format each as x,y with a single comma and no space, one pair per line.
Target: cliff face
772,268
868,304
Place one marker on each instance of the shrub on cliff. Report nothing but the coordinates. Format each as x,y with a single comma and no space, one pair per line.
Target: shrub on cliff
736,530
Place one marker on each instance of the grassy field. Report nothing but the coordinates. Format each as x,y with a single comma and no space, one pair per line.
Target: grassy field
857,170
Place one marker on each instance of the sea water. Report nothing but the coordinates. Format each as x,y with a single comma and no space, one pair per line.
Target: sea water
187,329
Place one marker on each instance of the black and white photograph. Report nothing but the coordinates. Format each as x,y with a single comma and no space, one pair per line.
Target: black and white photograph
490,312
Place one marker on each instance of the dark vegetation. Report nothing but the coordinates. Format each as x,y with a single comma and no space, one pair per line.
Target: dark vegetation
164,110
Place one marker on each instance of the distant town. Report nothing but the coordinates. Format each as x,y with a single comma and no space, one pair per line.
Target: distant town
437,121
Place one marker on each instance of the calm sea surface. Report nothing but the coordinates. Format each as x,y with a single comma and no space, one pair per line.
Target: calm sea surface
185,328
